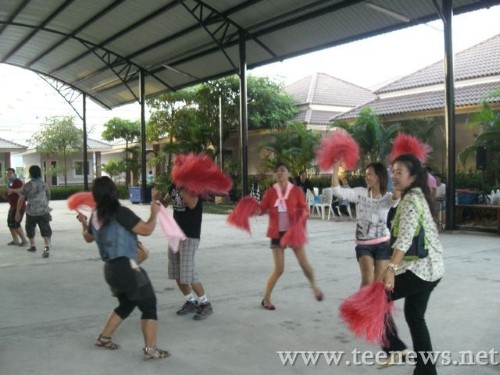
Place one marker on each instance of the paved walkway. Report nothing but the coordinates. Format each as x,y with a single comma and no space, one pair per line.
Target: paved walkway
52,309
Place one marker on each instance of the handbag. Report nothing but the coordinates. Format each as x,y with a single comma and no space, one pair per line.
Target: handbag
417,249
142,252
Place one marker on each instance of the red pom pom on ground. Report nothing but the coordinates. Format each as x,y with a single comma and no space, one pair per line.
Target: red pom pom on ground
337,146
409,144
200,175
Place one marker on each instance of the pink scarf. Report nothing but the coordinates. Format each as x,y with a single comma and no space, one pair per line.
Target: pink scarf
281,199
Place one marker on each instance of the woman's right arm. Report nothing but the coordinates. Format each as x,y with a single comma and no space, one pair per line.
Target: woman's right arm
88,237
145,228
335,175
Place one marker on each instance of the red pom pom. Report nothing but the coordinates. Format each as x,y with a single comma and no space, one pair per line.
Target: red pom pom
200,175
337,146
82,200
366,311
409,144
241,214
296,235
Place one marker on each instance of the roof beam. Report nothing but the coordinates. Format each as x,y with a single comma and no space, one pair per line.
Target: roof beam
35,30
84,25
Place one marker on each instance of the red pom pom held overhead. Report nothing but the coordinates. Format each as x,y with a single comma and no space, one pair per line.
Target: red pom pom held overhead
337,146
200,175
81,200
409,144
366,311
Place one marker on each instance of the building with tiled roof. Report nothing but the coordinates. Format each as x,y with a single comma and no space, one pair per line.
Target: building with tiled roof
321,96
422,94
7,148
74,162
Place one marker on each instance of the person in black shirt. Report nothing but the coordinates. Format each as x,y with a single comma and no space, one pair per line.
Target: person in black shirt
304,183
188,211
115,228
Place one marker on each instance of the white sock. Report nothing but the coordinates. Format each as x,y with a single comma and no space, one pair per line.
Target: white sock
203,299
190,297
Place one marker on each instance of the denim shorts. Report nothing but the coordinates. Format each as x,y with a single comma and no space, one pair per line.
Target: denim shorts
380,251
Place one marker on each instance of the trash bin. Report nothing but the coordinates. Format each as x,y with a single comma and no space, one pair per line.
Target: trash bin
135,194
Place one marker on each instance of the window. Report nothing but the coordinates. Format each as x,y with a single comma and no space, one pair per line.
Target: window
79,168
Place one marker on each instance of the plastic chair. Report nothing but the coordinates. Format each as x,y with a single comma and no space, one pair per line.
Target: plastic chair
325,203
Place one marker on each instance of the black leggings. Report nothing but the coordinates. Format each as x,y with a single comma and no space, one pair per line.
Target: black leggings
126,306
416,293
132,287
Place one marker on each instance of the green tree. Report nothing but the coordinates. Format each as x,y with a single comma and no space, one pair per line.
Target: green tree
114,168
374,140
174,115
489,137
294,145
129,131
59,137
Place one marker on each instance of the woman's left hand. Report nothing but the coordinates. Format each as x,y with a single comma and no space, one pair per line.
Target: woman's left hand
389,280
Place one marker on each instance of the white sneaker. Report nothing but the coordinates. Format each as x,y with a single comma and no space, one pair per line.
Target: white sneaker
394,358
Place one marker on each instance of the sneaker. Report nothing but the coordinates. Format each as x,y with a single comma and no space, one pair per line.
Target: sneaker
188,308
46,252
12,243
394,358
204,310
152,352
32,249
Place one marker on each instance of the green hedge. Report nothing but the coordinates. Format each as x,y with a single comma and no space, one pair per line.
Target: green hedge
63,192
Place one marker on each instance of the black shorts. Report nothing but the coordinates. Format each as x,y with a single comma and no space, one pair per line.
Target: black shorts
11,219
275,242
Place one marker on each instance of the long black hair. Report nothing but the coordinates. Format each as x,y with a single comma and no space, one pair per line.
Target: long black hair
381,172
415,168
106,197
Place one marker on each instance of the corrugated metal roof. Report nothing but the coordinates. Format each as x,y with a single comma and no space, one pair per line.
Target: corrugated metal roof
99,47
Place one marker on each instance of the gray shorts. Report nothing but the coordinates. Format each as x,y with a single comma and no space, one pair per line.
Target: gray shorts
181,264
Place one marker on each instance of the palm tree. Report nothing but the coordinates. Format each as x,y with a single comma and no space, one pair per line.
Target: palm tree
374,140
295,145
489,137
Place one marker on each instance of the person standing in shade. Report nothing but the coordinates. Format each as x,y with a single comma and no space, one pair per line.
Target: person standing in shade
188,210
37,194
115,228
14,185
304,183
407,277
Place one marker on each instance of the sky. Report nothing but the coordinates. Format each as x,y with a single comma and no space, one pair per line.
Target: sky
26,100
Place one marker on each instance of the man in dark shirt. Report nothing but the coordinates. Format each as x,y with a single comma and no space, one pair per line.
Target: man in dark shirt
303,182
188,211
14,185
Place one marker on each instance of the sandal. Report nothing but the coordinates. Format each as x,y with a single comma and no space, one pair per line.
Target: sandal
268,307
106,343
13,243
152,352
